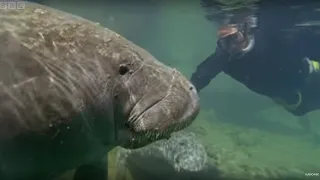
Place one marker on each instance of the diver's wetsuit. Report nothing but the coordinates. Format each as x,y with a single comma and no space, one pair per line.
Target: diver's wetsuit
260,71
274,68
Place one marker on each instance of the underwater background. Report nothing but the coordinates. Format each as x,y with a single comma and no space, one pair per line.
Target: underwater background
245,134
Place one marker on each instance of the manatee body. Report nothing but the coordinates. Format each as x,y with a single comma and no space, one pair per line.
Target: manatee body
70,90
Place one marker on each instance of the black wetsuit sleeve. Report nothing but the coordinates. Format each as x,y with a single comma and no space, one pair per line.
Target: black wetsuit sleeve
209,69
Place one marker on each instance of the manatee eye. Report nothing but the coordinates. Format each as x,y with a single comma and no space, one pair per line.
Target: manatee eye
123,69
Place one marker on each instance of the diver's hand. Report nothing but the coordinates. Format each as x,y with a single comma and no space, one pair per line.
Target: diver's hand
209,69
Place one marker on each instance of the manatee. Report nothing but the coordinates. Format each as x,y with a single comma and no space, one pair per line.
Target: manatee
70,90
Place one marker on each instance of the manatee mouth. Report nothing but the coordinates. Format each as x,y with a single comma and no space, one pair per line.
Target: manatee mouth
141,134
139,122
137,136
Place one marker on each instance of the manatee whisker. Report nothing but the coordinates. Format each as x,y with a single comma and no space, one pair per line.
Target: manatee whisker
17,85
56,133
174,73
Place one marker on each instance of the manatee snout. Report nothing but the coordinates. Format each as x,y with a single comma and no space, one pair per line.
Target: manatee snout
163,102
176,108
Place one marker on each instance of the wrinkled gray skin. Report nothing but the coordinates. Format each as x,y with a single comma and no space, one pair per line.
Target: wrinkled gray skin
70,90
183,152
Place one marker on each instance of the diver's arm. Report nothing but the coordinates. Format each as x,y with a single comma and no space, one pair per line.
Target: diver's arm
209,69
233,45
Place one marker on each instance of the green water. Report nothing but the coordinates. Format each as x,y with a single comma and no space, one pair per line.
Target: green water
250,134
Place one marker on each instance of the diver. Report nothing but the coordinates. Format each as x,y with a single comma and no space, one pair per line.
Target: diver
265,63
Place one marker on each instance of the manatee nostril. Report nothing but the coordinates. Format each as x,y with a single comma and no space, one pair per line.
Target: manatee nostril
190,88
123,69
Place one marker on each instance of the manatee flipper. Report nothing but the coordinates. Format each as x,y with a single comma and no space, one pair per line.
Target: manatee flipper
97,170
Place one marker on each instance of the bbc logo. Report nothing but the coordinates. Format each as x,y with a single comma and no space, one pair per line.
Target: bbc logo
12,5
